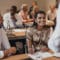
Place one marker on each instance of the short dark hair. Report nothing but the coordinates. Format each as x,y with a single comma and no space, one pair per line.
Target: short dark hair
13,8
40,12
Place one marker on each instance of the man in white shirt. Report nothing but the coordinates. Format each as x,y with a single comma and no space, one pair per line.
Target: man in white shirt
54,41
10,18
5,47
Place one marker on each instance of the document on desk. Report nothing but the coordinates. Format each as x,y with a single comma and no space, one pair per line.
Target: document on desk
40,55
56,55
19,30
35,56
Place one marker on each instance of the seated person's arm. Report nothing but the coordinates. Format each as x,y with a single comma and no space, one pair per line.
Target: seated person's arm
26,20
10,51
29,41
30,48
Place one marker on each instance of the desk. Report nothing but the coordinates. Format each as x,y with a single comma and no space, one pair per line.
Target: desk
24,56
17,57
16,34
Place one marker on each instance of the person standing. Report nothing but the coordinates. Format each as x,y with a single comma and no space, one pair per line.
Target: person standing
54,41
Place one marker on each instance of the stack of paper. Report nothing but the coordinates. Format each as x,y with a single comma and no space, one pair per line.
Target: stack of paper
40,55
46,55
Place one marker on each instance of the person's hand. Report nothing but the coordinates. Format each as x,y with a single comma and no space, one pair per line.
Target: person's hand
12,50
49,23
6,52
30,50
44,49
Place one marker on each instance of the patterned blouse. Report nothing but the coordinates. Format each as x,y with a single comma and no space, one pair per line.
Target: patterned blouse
39,38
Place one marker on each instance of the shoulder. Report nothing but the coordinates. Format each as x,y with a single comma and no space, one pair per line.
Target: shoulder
6,15
31,30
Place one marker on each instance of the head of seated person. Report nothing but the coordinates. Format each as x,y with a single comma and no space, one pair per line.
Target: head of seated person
52,8
13,10
24,7
40,20
34,3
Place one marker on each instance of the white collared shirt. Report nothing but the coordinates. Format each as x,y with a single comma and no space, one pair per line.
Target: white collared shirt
8,21
4,43
54,41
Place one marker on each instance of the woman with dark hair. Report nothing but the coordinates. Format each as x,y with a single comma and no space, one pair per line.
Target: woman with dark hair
37,37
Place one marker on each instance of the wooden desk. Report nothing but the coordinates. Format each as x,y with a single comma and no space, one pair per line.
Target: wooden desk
16,34
17,57
24,56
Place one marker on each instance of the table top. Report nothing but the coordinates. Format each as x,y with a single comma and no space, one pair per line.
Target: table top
17,57
24,56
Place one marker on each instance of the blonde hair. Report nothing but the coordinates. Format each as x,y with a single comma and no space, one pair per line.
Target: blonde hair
24,5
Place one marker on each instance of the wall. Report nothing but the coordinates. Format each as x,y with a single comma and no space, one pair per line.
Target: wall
50,2
6,4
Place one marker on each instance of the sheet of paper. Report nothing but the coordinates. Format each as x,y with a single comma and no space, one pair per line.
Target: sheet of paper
19,30
46,55
56,54
40,55
35,56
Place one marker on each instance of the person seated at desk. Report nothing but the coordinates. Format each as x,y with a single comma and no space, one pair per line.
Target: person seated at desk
33,9
23,15
10,18
51,14
33,12
5,48
37,37
34,3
